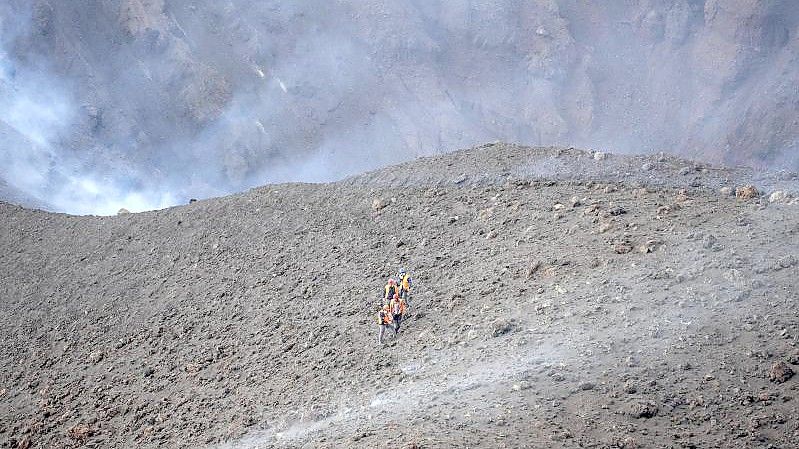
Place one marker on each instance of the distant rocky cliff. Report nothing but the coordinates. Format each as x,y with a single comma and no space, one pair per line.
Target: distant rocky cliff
206,97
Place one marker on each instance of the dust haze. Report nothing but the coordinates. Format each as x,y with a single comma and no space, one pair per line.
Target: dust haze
144,105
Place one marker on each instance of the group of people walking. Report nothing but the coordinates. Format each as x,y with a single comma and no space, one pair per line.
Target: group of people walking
396,295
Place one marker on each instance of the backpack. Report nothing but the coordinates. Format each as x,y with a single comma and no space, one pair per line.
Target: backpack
397,307
405,282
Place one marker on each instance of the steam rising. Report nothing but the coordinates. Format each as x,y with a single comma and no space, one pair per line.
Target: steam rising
143,105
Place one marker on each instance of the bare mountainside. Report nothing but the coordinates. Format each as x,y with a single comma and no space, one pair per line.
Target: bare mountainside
563,299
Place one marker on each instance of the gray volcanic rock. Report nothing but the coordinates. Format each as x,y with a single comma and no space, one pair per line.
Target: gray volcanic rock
248,321
205,97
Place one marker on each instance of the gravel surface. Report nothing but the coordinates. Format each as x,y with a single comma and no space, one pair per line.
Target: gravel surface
562,299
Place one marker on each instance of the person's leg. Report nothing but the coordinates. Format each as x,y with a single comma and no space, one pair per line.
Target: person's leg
397,320
380,335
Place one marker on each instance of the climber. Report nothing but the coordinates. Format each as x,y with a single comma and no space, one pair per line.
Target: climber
405,284
391,289
397,308
384,321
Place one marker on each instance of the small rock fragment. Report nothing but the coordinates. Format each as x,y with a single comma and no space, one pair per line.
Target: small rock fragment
726,191
598,156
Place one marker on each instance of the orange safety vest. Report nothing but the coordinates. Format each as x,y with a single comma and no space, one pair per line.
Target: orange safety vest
384,317
389,294
398,306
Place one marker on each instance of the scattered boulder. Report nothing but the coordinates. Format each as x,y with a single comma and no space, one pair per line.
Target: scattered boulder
780,372
709,242
585,386
575,201
598,156
523,385
591,210
622,247
80,432
726,191
123,211
616,211
379,204
96,357
649,246
533,269
644,409
746,192
788,261
778,197
24,443
501,327
486,213
668,209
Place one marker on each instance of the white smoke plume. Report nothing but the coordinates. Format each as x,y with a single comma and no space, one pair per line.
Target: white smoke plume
143,105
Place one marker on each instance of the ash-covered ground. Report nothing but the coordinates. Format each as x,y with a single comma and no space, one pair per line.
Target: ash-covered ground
562,299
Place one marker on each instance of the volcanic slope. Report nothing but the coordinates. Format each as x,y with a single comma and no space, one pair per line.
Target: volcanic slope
562,299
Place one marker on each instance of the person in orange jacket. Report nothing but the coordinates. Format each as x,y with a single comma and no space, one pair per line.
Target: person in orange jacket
405,283
384,320
397,307
390,289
